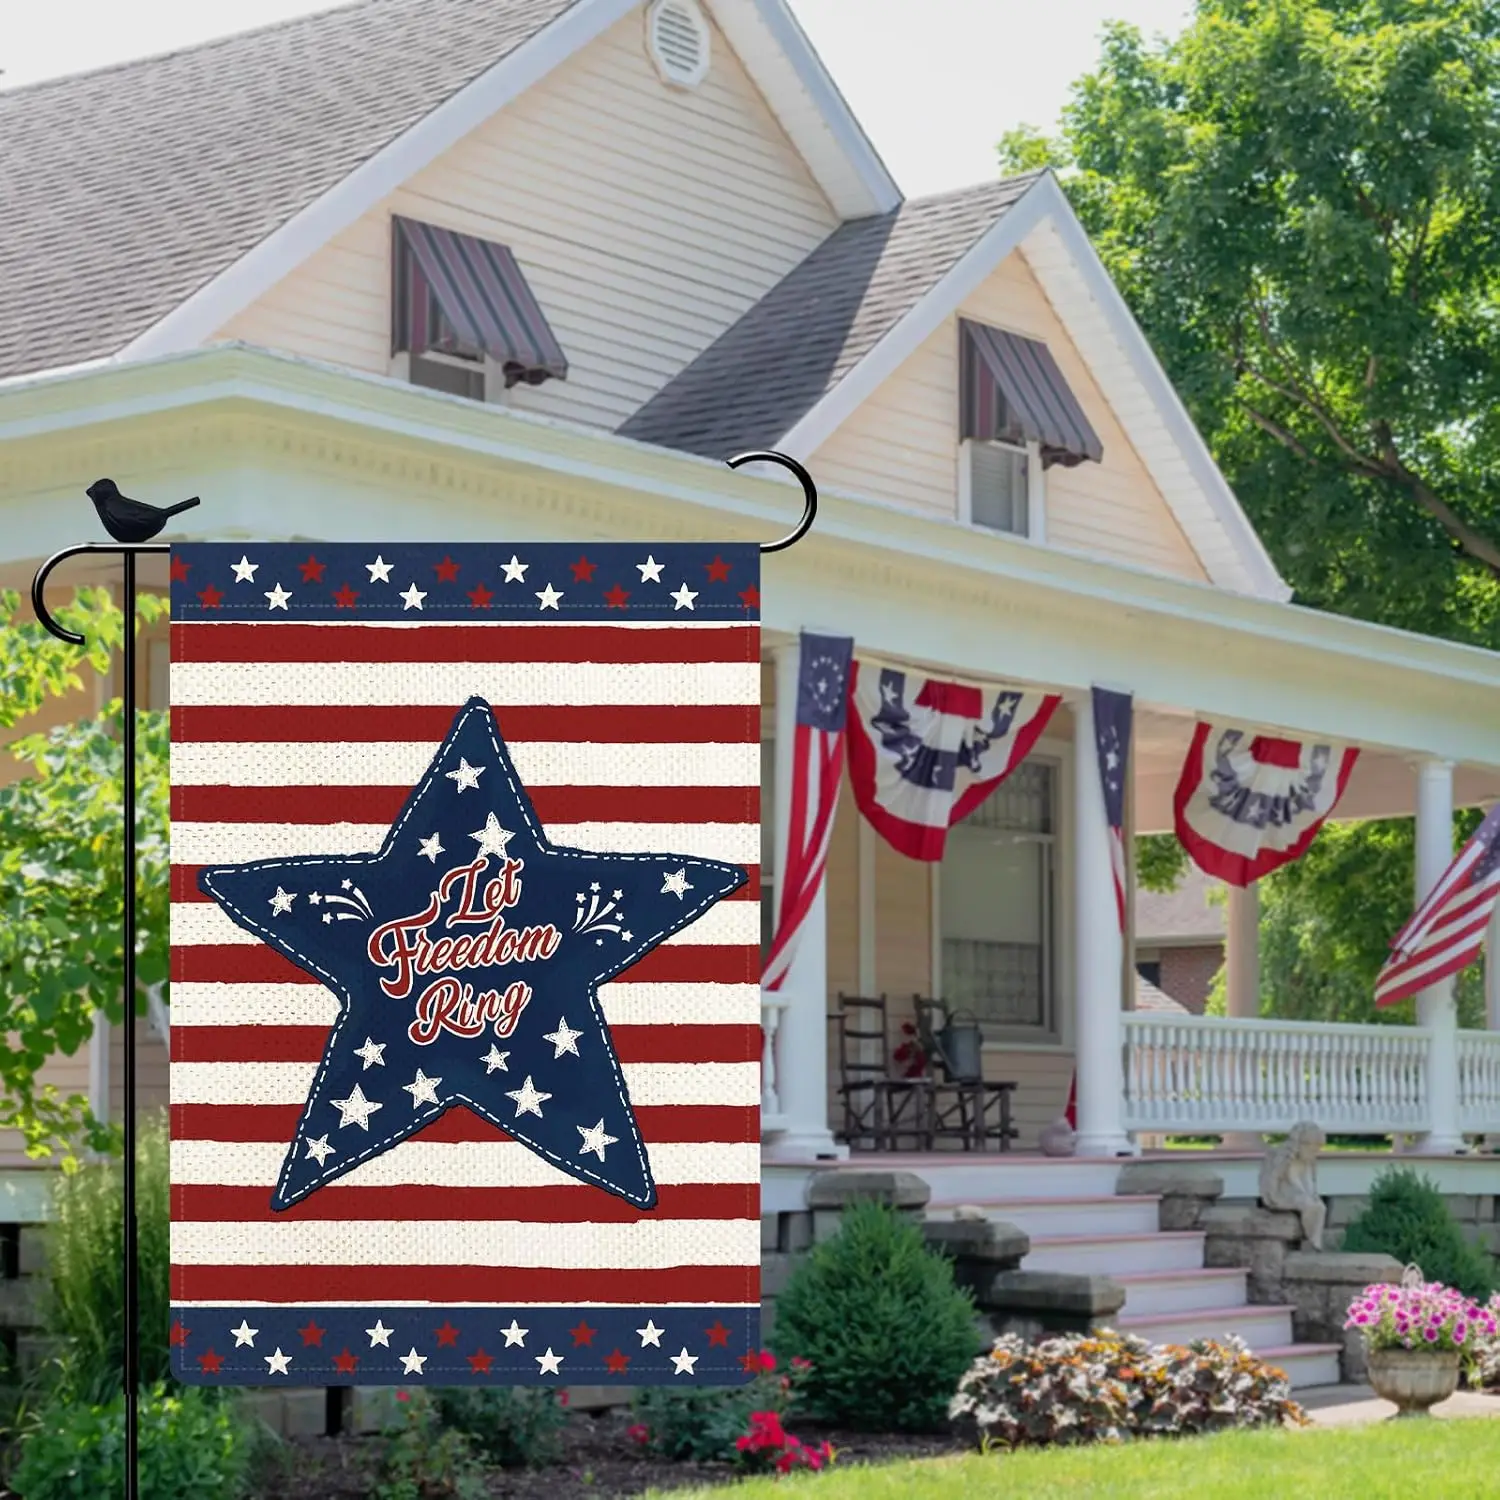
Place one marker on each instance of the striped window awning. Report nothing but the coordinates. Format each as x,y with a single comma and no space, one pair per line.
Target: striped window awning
456,294
1011,391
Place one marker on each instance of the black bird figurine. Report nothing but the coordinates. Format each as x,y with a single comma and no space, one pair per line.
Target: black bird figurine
128,520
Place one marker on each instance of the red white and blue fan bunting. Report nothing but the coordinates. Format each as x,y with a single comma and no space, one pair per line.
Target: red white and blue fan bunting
817,770
1248,803
924,753
465,945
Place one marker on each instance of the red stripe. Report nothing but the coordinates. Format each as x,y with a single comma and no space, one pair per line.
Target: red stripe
686,963
726,1043
275,642
185,885
691,1124
501,1285
583,1204
382,804
627,724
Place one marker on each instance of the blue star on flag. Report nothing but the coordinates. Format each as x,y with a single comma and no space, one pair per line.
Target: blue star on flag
466,956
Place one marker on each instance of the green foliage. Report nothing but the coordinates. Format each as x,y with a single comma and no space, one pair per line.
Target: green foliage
61,866
192,1445
1108,1387
1407,1217
879,1317
85,1269
703,1426
513,1427
423,1459
1160,861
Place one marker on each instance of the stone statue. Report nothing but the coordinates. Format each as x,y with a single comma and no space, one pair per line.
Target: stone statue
1289,1179
1058,1138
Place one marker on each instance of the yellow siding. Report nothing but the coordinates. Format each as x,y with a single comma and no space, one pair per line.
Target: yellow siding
647,219
902,444
1042,1079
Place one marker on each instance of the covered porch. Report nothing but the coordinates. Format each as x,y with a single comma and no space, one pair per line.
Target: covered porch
1017,926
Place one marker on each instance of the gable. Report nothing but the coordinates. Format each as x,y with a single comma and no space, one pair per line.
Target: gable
901,444
646,219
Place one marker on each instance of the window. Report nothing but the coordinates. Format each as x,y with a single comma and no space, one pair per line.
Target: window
767,847
1150,972
996,484
995,907
457,374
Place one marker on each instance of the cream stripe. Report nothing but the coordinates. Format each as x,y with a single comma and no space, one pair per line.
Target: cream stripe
212,843
734,923
644,1245
572,684
734,1084
478,1164
403,763
312,1005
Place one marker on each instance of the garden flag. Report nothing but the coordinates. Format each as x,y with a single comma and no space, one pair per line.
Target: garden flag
1447,930
817,769
465,941
925,753
1112,713
1246,803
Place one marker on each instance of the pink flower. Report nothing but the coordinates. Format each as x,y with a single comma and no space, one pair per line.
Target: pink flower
767,1360
638,1432
562,1398
403,1395
798,1363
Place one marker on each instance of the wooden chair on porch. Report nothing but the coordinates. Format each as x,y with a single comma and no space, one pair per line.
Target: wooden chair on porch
976,1108
881,1109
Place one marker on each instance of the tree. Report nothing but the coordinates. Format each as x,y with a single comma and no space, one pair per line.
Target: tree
61,865
1300,200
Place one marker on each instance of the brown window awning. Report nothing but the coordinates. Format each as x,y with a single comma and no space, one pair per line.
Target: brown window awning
455,294
1011,391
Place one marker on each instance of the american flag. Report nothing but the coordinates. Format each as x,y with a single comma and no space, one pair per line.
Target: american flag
311,691
817,769
1447,929
1112,715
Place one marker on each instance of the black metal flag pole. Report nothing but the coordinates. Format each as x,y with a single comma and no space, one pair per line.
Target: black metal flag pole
131,523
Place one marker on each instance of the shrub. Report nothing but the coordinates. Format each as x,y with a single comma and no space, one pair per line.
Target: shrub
423,1460
1406,1217
513,1427
879,1317
1418,1315
704,1425
85,1270
192,1445
1108,1387
769,1446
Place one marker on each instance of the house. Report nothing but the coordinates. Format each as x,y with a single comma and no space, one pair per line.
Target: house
1179,938
534,269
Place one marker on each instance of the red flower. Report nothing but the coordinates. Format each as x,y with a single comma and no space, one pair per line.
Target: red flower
798,1363
638,1432
767,1360
562,1398
403,1395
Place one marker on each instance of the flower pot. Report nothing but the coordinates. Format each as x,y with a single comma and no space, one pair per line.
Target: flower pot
1414,1379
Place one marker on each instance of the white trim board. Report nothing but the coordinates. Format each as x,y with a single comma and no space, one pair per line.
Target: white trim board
835,148
1206,507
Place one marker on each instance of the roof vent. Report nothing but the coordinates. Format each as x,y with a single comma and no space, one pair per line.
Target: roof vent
677,39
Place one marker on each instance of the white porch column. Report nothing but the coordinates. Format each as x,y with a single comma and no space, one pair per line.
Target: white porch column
1492,971
1242,979
1097,954
1435,1007
802,1040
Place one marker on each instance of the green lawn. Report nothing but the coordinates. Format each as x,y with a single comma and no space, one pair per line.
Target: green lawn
1387,1461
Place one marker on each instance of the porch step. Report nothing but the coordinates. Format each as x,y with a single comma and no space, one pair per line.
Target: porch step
1260,1326
965,1177
1151,1292
1117,1254
1042,1217
1305,1365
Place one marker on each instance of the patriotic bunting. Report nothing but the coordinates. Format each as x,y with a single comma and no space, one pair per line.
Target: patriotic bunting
465,1042
924,753
817,769
1112,715
1447,930
1246,804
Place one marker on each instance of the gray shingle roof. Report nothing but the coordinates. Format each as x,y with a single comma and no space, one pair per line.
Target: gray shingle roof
125,190
1185,914
761,376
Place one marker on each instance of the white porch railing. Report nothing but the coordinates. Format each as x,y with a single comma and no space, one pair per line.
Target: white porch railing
1199,1075
772,1007
1479,1081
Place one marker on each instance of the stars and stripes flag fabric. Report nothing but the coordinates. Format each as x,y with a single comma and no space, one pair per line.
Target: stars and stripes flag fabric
817,770
465,946
1447,929
1248,803
923,753
1112,718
